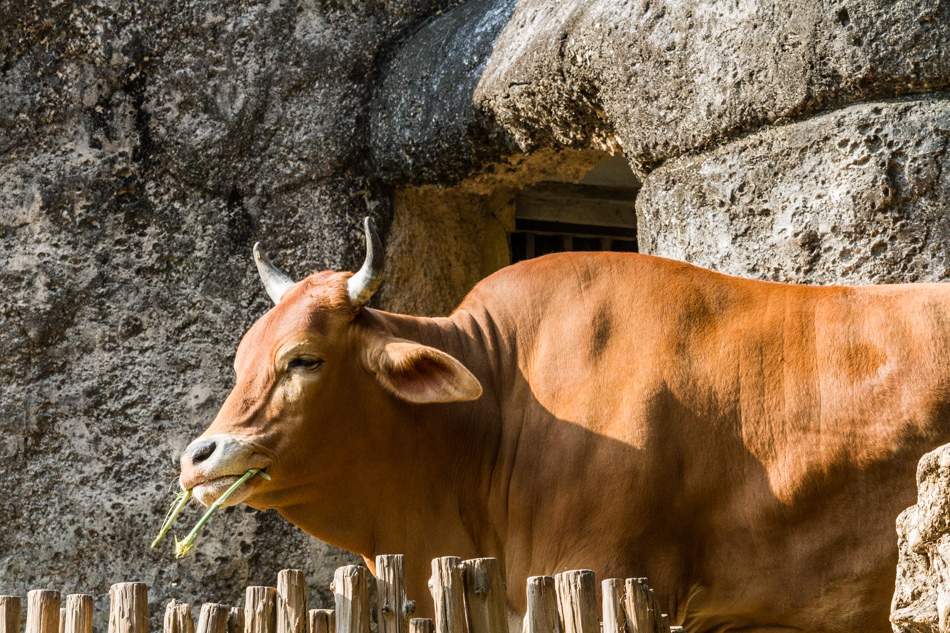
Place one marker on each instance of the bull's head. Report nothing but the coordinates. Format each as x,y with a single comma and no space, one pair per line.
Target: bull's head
321,382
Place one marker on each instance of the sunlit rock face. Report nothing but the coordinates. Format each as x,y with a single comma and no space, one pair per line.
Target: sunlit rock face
853,196
922,593
658,78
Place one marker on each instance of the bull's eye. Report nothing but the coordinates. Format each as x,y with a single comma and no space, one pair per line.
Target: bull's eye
307,363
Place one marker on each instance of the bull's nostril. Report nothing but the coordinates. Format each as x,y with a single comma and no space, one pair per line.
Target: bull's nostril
202,452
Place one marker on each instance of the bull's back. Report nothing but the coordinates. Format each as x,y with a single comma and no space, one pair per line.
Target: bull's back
793,361
729,425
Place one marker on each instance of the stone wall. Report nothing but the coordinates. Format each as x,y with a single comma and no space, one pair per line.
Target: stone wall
858,195
922,595
144,147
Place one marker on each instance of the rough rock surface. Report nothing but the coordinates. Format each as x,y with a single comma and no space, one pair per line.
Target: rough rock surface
673,75
859,195
144,147
425,127
922,593
661,76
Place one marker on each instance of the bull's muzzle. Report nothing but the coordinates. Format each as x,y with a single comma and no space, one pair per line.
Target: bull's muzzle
211,464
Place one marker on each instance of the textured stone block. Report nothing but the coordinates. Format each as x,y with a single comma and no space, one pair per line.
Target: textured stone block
855,196
658,77
669,76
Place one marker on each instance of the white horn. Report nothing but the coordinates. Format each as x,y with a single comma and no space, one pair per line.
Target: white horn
364,283
276,283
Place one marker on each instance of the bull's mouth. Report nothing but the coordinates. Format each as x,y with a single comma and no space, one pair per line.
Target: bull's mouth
212,463
209,491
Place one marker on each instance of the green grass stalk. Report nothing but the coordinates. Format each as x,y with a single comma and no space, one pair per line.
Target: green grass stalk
180,500
183,547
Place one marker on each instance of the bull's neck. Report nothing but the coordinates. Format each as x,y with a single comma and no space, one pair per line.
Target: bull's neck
430,488
457,446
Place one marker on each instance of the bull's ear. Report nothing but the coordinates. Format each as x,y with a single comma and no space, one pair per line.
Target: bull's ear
421,374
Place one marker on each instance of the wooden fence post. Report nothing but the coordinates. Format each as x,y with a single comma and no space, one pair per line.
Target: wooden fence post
542,616
447,585
10,614
79,612
351,596
235,620
42,611
394,607
614,620
485,596
641,609
322,621
62,620
421,625
260,610
213,618
178,618
292,601
128,610
577,601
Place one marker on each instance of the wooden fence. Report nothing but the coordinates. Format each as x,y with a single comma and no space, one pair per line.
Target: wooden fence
469,597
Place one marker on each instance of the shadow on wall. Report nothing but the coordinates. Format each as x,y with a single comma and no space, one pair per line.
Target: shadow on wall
426,128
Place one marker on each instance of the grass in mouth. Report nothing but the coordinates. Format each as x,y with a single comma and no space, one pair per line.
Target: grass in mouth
180,500
183,547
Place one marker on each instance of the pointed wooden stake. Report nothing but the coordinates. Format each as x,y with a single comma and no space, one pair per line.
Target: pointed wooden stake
213,618
178,618
351,597
485,596
260,610
128,610
10,614
292,601
641,609
42,611
614,619
79,612
542,615
421,625
577,601
447,585
235,620
394,607
322,621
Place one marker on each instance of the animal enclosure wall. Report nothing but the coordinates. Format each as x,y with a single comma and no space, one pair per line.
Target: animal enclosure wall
144,147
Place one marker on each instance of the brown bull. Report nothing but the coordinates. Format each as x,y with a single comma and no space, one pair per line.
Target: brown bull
745,445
